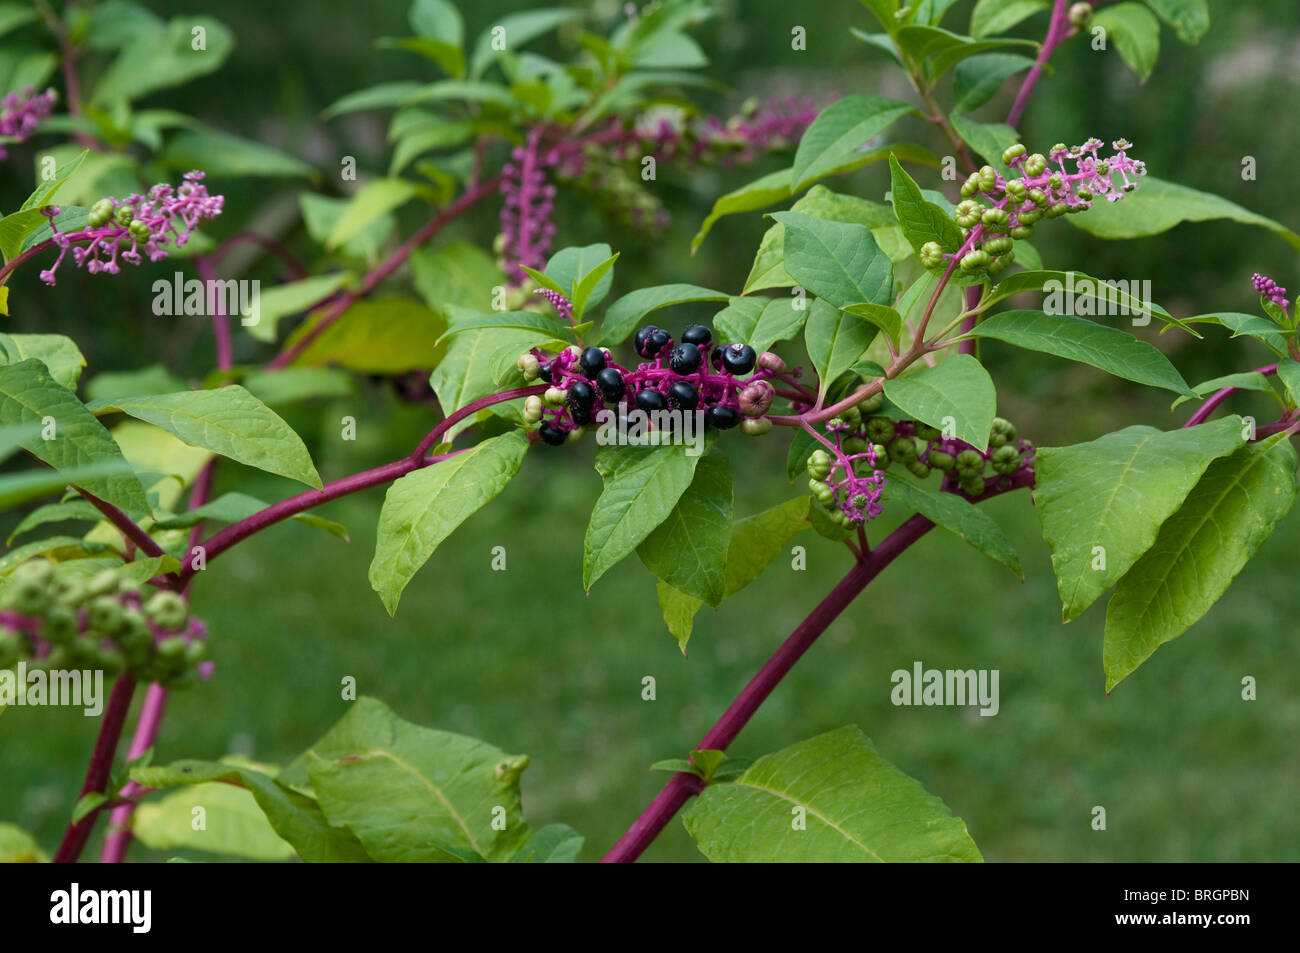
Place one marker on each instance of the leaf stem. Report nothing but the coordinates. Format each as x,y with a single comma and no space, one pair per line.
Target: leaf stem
1058,30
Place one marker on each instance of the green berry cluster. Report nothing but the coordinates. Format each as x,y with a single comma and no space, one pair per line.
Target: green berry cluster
67,622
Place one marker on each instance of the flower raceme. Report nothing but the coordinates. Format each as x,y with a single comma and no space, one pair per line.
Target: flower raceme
1045,188
1270,289
694,375
156,222
21,112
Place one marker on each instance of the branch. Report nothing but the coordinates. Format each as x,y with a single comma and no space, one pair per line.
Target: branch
1058,30
101,766
683,784
386,268
220,322
1218,397
129,528
146,732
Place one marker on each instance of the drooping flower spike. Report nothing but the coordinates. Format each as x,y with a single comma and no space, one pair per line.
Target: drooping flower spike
154,223
22,112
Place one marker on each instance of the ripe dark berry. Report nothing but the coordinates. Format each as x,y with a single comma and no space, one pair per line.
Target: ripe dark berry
716,358
640,341
738,358
650,400
544,372
658,340
685,359
682,396
552,435
610,383
580,397
722,417
592,362
698,335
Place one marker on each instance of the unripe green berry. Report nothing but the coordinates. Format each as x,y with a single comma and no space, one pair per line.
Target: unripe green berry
1035,165
974,261
931,255
1080,13
940,460
1056,210
1029,217
902,449
882,455
967,213
1013,152
110,662
554,397
1017,190
1005,460
1039,198
855,445
879,429
988,178
869,405
999,246
196,652
533,408
105,615
919,469
27,597
1000,262
60,626
969,461
975,486
124,215
755,426
167,610
529,366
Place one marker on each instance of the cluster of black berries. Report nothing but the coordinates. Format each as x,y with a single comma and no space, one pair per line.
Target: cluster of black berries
694,375
64,622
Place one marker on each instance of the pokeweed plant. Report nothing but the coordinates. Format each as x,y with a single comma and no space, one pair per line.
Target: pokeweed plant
893,409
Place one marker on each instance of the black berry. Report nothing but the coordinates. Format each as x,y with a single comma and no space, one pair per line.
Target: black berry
581,397
658,340
650,400
640,341
722,417
716,358
685,359
592,362
698,335
610,383
551,434
544,372
738,358
682,396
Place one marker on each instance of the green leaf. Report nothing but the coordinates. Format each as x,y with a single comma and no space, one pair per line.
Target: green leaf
642,485
885,11
152,61
960,517
885,318
292,384
414,794
222,155
855,807
757,540
422,508
1249,325
760,322
626,313
921,221
995,16
481,363
383,336
552,844
55,513
321,212
1201,548
1158,206
18,488
1135,32
153,379
458,273
513,320
517,29
15,15
17,846
1189,18
1248,380
228,421
678,610
58,353
382,96
292,817
426,139
840,130
688,550
375,198
958,388
281,301
29,395
16,227
1288,372
1109,349
837,261
570,267
836,340
1068,291
1102,503
976,80
945,49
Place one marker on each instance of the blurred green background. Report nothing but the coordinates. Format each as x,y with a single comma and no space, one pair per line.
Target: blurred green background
523,658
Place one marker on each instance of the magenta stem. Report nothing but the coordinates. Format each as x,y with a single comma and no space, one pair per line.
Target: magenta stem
100,767
220,321
1219,396
146,732
1057,31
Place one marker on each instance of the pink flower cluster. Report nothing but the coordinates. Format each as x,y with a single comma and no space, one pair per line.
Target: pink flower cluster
21,112
756,129
1270,289
526,226
155,223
